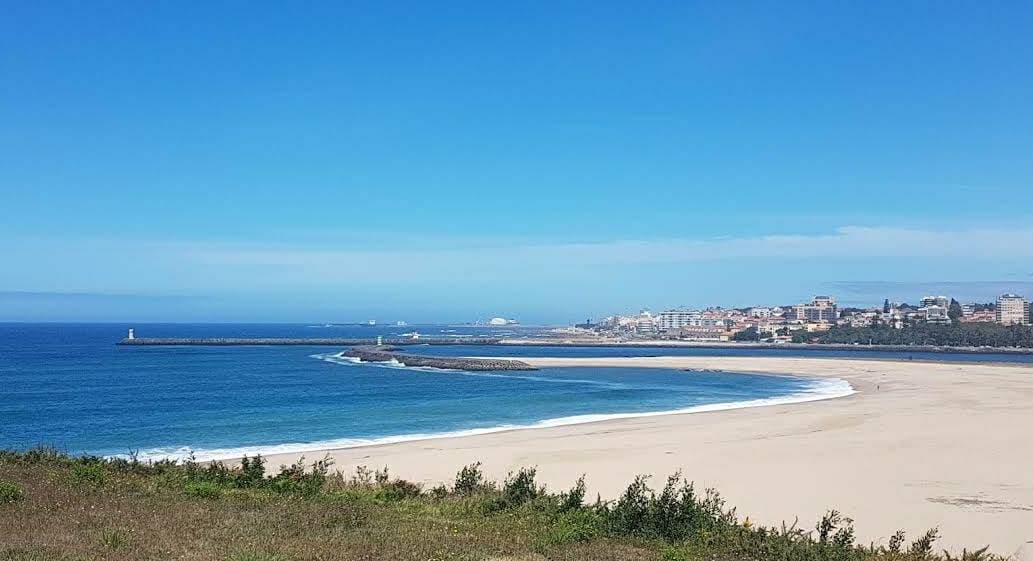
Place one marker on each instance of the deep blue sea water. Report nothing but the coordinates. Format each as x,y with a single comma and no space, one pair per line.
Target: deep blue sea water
70,386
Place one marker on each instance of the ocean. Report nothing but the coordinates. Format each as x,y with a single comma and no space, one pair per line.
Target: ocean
70,386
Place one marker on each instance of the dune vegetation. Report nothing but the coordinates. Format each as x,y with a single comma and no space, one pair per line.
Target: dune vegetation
57,507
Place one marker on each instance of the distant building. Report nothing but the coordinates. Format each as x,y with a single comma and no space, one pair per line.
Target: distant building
985,316
936,314
645,323
822,309
824,301
760,312
672,320
860,319
703,333
501,321
941,301
1012,310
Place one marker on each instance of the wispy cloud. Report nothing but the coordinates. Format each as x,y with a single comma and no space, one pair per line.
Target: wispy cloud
846,242
981,290
131,266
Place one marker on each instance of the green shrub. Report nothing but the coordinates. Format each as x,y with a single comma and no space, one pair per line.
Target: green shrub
469,480
923,546
400,489
89,474
296,480
575,498
578,525
203,489
676,514
10,492
439,492
981,554
44,454
252,472
629,515
518,489
674,554
521,488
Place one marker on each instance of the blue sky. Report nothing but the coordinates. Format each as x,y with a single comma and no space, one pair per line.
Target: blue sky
551,161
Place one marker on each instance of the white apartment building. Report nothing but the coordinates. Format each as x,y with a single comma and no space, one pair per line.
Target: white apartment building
822,309
1012,310
645,323
671,320
936,314
941,301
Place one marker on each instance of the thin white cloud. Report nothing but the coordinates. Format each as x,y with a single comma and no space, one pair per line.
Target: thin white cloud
846,242
132,266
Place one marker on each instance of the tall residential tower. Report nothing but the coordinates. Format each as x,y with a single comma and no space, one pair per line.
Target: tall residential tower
1012,310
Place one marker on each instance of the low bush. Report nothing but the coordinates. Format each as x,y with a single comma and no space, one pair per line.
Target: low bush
675,514
252,472
575,498
89,474
10,492
296,480
577,525
203,489
521,488
400,489
469,480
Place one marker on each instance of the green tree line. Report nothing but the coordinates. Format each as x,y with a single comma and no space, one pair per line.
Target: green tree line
954,335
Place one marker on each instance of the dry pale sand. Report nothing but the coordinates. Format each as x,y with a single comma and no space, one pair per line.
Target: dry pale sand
919,445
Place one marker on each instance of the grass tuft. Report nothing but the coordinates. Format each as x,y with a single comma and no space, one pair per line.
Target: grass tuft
115,539
10,492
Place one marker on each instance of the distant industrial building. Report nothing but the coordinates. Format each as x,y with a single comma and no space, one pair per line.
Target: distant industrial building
1012,310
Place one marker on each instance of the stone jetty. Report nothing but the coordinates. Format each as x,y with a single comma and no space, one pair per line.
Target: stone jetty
326,341
388,354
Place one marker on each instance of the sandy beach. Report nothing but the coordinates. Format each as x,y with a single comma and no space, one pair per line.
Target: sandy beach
919,445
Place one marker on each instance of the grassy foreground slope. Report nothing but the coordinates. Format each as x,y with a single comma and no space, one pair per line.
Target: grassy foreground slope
56,507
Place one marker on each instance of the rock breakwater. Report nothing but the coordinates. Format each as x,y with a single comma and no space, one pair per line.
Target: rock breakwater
389,354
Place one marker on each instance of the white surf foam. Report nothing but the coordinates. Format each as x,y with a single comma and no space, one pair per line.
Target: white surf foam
818,389
339,358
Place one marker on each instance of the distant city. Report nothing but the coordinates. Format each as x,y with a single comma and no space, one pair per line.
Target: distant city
786,323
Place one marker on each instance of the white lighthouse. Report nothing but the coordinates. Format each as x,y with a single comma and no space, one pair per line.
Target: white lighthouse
131,334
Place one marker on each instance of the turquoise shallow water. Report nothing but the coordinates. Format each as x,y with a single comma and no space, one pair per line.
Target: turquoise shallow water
70,386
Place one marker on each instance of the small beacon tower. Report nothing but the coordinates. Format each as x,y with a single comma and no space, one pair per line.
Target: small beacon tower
131,334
